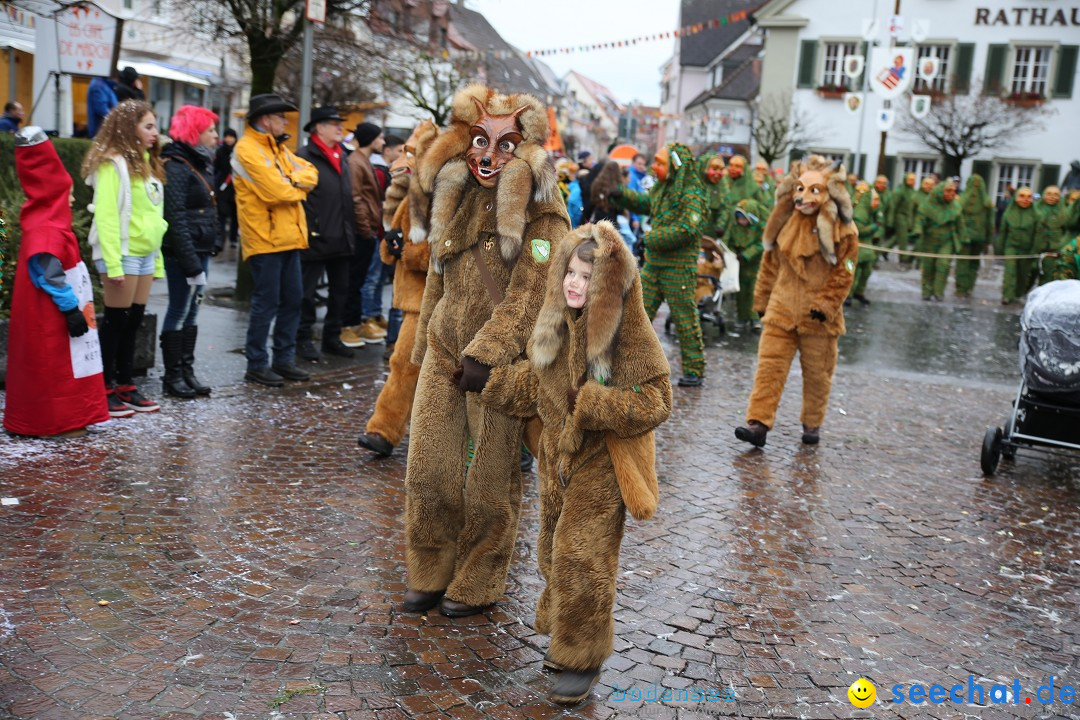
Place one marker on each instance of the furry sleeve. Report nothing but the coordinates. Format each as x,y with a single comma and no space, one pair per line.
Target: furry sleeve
502,339
512,390
633,200
624,411
384,254
416,256
831,295
433,292
770,266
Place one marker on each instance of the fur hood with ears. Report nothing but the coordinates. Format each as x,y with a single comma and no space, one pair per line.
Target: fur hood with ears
443,171
614,276
835,209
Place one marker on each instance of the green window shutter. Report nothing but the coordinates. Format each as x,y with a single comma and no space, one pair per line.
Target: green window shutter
795,154
1049,175
862,165
1066,71
996,57
808,64
984,169
961,79
864,50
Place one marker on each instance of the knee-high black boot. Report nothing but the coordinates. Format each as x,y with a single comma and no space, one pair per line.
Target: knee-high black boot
125,346
112,327
187,358
171,357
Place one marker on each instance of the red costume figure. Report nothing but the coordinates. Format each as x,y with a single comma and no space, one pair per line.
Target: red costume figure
54,383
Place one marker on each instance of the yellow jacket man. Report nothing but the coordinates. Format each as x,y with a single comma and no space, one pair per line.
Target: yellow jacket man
271,185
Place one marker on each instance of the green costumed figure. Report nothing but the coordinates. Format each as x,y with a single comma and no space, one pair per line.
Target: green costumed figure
903,215
1068,262
979,223
926,187
716,187
870,222
742,233
1051,234
940,229
1072,203
741,184
764,178
885,198
1017,237
677,206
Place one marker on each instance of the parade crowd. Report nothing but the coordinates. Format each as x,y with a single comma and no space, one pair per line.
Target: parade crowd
523,302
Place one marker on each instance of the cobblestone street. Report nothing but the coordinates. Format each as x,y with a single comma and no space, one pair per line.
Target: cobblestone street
240,558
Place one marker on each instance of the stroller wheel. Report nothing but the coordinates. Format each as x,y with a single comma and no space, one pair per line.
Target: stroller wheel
1008,451
991,451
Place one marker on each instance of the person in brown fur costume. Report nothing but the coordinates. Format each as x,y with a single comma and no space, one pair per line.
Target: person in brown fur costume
496,215
386,427
811,246
600,381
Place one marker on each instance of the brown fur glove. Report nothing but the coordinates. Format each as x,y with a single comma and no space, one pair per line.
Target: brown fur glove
474,375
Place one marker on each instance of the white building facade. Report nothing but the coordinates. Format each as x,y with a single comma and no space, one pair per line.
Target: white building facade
1026,49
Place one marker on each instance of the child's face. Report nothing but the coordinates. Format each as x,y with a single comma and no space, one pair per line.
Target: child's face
575,284
742,220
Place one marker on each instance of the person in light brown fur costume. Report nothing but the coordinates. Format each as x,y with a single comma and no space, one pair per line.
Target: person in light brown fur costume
496,215
386,427
600,381
811,246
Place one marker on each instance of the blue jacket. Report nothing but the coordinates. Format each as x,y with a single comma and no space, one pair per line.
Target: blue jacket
9,124
574,205
634,183
100,99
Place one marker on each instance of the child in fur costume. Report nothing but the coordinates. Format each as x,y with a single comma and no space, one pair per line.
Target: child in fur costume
806,272
496,215
386,427
598,378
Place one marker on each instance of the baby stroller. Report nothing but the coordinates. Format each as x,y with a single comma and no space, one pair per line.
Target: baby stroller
717,275
1046,412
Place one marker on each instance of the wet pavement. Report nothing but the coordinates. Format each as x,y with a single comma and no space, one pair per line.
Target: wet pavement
239,558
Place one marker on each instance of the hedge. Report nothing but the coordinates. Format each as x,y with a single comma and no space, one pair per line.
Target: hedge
71,152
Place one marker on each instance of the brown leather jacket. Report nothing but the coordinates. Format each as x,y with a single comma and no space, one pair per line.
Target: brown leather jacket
367,197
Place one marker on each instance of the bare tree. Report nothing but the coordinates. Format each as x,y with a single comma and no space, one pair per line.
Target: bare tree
779,127
270,28
962,126
345,70
427,82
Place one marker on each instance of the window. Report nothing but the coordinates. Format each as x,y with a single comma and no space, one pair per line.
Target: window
941,80
1031,70
129,4
921,167
833,156
665,93
833,69
717,76
1017,176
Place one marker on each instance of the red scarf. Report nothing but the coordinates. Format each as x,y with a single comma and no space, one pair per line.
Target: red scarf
333,155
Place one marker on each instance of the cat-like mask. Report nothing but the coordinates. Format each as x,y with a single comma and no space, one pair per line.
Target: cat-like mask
494,139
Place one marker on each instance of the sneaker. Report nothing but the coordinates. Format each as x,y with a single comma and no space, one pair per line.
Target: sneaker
371,332
264,376
334,346
306,350
130,396
350,337
380,321
291,372
117,407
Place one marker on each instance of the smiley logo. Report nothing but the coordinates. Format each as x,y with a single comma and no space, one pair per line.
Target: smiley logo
862,693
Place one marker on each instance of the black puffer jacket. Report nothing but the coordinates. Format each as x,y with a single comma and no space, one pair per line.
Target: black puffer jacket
329,208
189,208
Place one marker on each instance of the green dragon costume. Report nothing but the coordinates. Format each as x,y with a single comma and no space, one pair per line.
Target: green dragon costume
1017,237
714,197
678,210
979,222
871,226
1051,234
745,241
940,229
1068,262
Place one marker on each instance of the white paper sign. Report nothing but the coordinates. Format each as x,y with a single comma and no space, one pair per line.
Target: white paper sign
885,119
920,106
891,71
86,37
85,349
896,25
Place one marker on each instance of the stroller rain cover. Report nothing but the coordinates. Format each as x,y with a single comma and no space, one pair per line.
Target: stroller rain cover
1050,340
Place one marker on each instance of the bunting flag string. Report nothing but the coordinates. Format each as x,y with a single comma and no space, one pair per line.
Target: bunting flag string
684,31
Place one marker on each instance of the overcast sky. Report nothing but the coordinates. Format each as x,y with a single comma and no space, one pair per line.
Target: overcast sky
632,73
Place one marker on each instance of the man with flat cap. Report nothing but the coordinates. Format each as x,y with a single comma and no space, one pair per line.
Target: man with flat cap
367,204
331,233
271,185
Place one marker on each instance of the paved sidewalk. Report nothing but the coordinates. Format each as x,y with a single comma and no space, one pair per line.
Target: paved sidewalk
251,556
